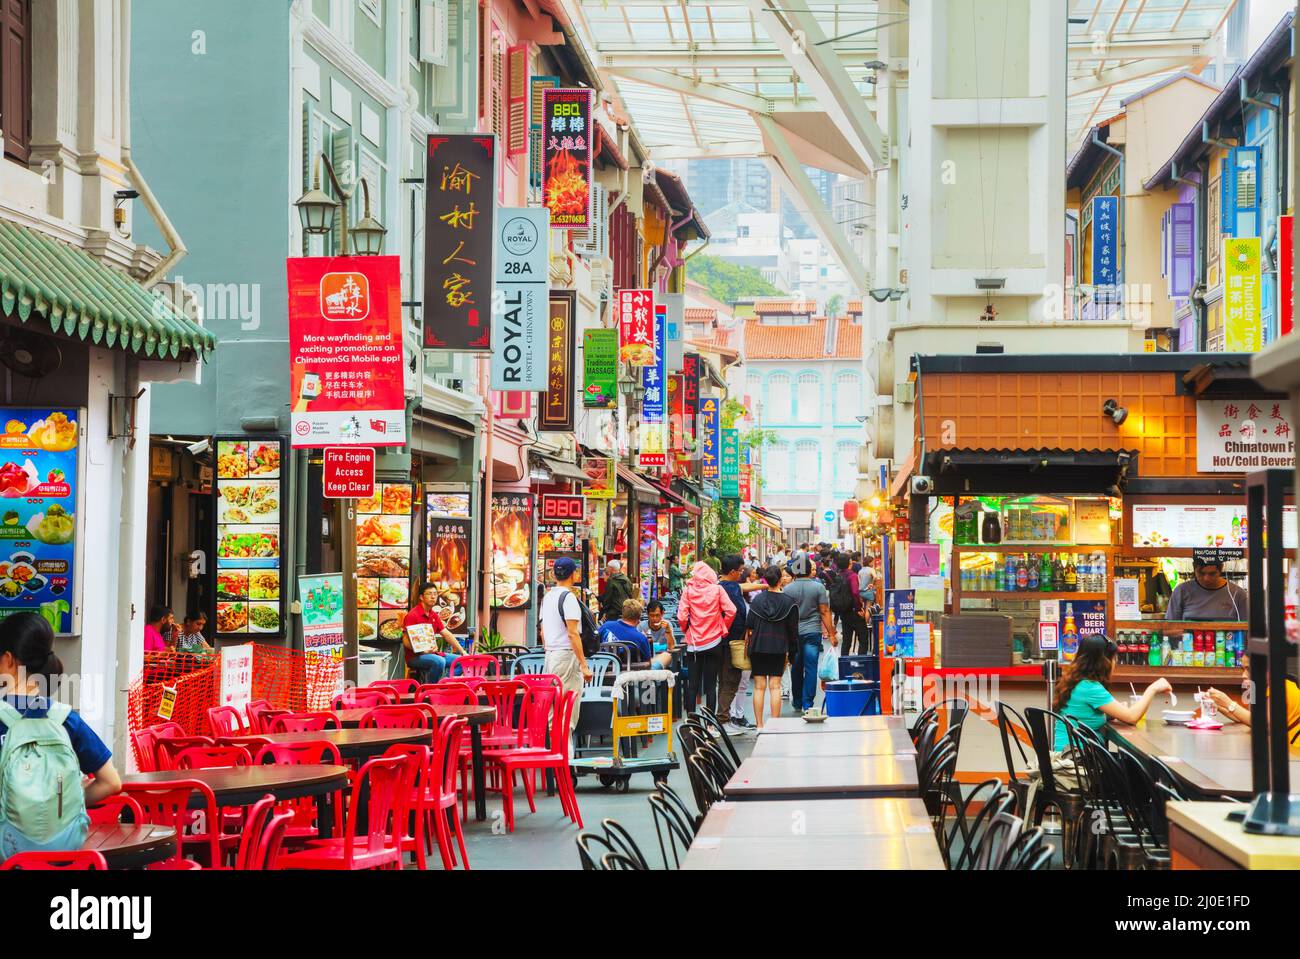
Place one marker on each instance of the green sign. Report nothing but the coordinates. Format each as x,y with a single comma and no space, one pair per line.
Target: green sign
600,369
730,464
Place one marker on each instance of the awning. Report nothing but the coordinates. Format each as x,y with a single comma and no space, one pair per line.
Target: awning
904,474
763,517
961,472
562,470
640,488
1227,379
79,296
676,499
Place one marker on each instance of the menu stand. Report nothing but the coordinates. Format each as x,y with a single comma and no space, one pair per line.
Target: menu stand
1275,810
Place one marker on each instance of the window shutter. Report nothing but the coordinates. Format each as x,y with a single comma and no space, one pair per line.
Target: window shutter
1182,249
1245,164
1165,238
594,242
517,107
536,85
433,32
1228,195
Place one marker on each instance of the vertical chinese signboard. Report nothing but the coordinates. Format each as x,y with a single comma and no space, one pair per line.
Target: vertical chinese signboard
383,564
746,483
448,535
1286,273
653,419
566,157
519,311
556,414
710,441
636,327
250,535
1105,240
690,392
676,434
512,550
730,464
459,200
1241,295
346,380
40,481
600,369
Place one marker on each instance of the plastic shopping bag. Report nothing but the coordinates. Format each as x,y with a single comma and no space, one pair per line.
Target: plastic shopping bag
828,667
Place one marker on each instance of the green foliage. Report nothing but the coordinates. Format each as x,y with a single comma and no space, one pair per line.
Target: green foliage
834,305
720,533
727,281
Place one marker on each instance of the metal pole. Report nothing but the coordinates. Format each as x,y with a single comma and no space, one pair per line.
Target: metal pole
488,431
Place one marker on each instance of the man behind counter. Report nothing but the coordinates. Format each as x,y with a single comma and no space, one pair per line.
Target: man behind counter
1207,597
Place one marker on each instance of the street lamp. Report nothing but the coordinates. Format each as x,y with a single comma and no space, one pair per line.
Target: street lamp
317,208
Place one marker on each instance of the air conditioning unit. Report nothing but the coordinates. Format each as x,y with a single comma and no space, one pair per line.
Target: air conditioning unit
922,486
866,458
905,392
883,354
885,432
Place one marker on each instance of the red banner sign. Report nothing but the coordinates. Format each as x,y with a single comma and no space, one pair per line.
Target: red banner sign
557,507
345,351
349,472
636,327
746,483
566,157
1286,273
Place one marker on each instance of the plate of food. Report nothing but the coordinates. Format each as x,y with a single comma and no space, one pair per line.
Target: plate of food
397,499
367,592
249,542
383,561
264,459
232,617
232,584
232,460
264,617
384,531
264,584
391,629
367,624
394,593
1178,717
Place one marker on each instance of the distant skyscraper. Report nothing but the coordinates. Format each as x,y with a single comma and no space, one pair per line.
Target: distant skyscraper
718,183
791,218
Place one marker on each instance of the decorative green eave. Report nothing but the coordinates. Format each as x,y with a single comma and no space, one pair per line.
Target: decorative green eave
79,296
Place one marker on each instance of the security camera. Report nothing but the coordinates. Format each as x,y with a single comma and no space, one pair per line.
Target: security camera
199,448
922,486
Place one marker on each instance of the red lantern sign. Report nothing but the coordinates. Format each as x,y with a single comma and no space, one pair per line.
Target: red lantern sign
850,510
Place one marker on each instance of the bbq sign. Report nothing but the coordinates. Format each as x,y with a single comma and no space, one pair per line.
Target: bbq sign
566,157
557,507
459,232
519,308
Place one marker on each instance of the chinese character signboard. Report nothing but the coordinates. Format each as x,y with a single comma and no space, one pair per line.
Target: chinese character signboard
346,380
1241,436
676,416
519,312
41,483
237,676
512,550
600,369
1286,273
730,464
448,535
566,157
636,327
459,232
1105,240
710,441
249,517
653,419
746,483
690,392
556,414
1241,295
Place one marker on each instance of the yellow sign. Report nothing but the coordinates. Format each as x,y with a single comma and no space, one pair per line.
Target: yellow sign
168,703
602,481
1241,295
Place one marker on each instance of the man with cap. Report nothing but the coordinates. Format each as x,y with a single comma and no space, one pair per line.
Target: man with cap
618,590
560,616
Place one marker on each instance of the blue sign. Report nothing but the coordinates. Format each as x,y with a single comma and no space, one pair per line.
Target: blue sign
829,516
900,623
652,377
1105,240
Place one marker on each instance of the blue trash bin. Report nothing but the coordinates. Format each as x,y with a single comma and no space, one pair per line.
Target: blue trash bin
852,697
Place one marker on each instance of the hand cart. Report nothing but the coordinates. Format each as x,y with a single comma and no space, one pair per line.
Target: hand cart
645,711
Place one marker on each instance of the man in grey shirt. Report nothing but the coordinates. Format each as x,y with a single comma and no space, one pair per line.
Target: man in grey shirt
814,623
1208,597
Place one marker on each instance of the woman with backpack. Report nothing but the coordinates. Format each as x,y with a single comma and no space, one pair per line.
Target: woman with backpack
45,747
705,614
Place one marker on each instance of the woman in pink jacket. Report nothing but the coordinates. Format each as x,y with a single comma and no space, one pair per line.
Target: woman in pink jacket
705,613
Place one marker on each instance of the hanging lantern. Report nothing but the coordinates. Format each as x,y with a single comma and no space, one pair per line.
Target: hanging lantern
850,510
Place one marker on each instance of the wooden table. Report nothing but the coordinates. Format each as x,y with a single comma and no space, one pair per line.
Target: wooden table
823,777
1209,763
1201,837
823,834
356,743
834,724
131,845
245,785
886,742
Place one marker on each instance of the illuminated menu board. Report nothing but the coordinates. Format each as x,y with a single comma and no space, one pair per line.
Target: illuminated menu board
384,561
250,536
1158,526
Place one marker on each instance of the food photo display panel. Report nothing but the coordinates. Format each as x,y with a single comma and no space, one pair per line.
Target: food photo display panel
249,491
383,538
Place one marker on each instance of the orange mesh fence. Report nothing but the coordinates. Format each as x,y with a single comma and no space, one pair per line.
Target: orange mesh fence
286,678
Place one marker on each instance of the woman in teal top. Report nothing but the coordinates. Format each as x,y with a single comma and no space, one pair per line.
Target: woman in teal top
1081,692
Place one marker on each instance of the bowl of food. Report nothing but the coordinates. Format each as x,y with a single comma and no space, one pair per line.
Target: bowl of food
1178,717
814,716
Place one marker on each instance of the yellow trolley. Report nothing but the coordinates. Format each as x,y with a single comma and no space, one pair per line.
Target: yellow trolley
643,707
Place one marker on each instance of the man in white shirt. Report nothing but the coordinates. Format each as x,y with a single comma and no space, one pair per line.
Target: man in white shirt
561,619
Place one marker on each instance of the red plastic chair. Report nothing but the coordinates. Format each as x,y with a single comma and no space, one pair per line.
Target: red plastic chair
555,759
413,828
76,859
397,717
168,747
225,721
146,743
273,837
504,696
480,665
259,814
109,810
447,694
251,743
440,797
308,753
169,805
403,687
212,757
305,722
384,785
254,710
355,698
267,718
536,680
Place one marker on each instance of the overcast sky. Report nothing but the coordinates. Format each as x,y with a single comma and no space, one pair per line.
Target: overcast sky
1264,15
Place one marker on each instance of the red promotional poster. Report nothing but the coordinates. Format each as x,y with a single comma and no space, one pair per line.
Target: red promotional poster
345,351
566,157
1286,272
746,483
636,327
690,392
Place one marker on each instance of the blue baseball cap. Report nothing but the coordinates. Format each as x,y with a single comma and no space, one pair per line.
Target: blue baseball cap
564,567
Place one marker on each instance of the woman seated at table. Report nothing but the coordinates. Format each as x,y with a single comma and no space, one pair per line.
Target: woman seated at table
431,665
191,634
1081,691
1240,712
29,670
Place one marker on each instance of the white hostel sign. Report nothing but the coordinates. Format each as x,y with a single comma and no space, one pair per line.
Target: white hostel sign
520,302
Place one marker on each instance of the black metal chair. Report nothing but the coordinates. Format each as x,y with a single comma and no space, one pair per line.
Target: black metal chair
1026,849
972,830
670,822
1009,719
1070,804
998,840
672,799
937,783
618,862
589,851
621,841
704,781
987,794
709,719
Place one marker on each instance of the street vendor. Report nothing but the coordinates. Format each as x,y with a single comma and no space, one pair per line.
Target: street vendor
1207,596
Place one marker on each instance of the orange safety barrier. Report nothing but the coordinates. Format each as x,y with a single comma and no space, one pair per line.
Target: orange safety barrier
286,678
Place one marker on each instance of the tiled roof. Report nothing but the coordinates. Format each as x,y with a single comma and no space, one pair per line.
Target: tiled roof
701,314
804,342
855,306
804,307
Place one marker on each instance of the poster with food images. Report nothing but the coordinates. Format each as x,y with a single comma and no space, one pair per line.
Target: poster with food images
448,564
512,550
249,494
383,537
38,513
